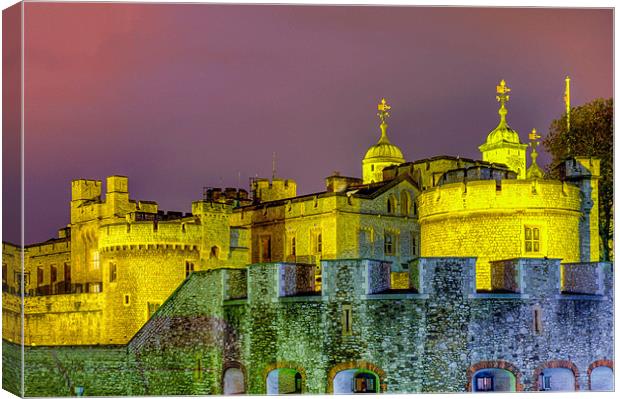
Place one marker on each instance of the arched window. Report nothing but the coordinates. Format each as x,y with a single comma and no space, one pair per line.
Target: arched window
391,205
404,203
215,252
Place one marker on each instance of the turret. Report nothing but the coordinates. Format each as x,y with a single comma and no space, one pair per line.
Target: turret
264,190
503,144
85,189
117,194
214,218
585,172
382,154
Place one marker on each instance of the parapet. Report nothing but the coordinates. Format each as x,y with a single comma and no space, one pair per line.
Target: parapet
473,173
579,167
265,190
229,195
85,189
434,278
117,184
485,195
177,234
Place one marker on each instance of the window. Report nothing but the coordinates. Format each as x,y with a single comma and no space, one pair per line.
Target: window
545,382
537,320
152,308
53,274
293,247
532,239
4,273
95,260
391,205
414,246
67,273
189,268
112,272
347,320
484,382
319,243
126,300
94,287
265,249
388,244
215,252
40,276
404,203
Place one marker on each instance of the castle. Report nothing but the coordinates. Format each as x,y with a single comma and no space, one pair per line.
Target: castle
440,275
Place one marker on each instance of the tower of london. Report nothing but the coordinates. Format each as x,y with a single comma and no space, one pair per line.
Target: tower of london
444,274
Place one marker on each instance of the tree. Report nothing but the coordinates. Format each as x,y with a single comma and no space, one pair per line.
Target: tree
591,134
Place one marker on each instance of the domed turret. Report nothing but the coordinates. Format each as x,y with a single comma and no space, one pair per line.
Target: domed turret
382,154
503,144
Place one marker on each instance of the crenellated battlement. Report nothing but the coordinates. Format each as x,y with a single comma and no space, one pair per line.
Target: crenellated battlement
178,234
85,189
264,190
485,195
350,279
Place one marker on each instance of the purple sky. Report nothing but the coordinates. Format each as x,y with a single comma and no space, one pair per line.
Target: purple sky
177,97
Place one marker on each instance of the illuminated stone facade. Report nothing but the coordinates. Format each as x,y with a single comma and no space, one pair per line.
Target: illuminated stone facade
404,269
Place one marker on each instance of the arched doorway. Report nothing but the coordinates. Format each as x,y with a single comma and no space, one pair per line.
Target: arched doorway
284,381
602,379
234,381
556,379
356,381
493,380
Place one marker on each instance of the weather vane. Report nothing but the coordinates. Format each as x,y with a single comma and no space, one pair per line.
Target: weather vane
383,108
534,136
502,92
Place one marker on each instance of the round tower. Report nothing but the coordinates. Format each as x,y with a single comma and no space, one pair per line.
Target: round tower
382,154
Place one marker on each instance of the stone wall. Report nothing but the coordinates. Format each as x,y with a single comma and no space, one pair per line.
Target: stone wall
432,341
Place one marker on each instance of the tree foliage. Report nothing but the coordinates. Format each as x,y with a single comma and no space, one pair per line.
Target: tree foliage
591,134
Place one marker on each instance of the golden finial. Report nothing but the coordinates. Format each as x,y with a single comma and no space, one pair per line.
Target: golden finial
383,108
502,96
534,171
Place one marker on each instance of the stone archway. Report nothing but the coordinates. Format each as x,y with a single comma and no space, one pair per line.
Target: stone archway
234,378
356,365
290,372
598,382
494,364
556,364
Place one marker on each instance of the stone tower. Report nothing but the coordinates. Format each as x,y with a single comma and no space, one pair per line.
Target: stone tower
382,154
503,144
